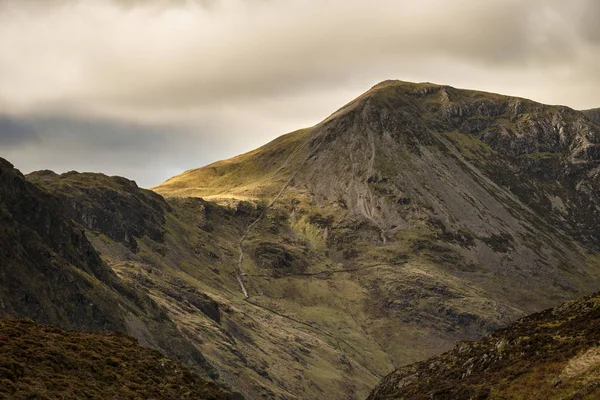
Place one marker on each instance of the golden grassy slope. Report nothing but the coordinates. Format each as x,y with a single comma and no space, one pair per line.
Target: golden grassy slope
247,176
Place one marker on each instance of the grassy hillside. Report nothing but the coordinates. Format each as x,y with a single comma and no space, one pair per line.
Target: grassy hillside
45,362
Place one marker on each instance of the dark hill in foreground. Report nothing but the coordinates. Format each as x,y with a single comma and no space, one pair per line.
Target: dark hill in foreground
45,362
554,354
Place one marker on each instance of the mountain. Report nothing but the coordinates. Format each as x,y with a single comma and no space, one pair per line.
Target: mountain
593,114
553,354
46,362
189,270
52,274
416,216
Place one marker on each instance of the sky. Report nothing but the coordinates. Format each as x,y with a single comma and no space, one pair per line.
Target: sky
147,89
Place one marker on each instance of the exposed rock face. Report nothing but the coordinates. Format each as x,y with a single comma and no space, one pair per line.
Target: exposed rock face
48,266
114,206
552,354
593,114
50,272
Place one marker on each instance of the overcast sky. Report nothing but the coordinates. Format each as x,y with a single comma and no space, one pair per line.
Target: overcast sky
147,89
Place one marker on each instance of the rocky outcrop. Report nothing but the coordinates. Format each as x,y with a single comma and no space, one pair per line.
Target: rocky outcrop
114,206
593,114
551,354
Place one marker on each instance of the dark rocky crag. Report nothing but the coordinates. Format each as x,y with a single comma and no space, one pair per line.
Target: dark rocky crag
112,205
593,114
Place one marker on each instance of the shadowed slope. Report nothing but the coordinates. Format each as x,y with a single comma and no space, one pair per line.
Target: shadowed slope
51,273
45,362
593,114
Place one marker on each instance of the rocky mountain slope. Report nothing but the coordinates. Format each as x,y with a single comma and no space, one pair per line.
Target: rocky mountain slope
51,273
430,214
45,362
593,114
553,354
416,216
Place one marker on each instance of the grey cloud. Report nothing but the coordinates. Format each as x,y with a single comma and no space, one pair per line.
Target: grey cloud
15,133
259,59
588,23
66,143
149,154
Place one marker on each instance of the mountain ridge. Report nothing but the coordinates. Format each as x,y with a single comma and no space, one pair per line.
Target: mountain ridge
52,273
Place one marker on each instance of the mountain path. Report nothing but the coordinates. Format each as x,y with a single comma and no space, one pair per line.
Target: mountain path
240,245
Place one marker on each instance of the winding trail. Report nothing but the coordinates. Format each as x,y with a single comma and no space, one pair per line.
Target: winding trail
240,245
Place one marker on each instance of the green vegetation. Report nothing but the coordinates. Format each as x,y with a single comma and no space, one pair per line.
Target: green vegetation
246,177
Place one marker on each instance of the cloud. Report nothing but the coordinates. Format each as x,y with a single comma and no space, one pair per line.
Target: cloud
15,133
233,74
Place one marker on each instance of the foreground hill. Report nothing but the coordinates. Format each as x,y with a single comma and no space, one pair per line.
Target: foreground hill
554,354
45,362
414,217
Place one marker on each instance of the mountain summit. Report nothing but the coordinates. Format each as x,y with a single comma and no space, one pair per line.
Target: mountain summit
431,214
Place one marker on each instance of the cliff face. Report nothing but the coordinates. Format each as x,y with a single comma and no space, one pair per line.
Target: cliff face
51,273
553,354
114,206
